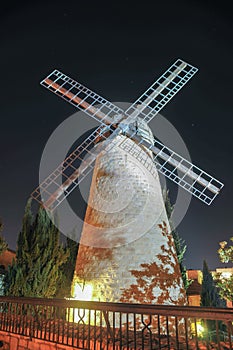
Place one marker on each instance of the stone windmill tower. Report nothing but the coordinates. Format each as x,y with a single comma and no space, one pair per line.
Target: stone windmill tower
126,252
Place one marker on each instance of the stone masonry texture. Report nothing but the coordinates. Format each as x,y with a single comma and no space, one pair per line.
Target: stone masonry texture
127,253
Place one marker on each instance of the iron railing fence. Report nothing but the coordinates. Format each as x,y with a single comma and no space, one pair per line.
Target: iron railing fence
116,326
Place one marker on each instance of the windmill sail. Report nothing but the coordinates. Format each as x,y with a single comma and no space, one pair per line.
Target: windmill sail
56,187
179,170
82,97
68,175
150,103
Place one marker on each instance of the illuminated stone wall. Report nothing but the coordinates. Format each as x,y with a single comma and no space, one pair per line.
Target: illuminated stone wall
127,253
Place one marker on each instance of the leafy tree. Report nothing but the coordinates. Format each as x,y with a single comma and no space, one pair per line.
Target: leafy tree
225,252
39,258
3,244
178,241
225,284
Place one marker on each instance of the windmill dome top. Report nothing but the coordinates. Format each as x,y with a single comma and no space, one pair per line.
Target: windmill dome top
144,130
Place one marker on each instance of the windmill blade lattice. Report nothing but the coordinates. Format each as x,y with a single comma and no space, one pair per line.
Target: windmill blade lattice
56,187
68,175
82,97
150,103
179,170
52,191
187,175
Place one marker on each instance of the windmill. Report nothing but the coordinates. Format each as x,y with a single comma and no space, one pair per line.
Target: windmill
107,265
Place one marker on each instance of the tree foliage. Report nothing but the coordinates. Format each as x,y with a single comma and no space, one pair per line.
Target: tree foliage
156,276
39,258
3,244
209,291
210,297
180,251
225,251
180,245
225,283
67,270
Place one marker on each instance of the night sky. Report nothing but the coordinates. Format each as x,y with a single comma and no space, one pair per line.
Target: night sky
118,49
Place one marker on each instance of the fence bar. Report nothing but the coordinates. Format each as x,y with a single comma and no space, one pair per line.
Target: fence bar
116,326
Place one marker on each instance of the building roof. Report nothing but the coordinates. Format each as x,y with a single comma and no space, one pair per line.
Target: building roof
6,258
194,288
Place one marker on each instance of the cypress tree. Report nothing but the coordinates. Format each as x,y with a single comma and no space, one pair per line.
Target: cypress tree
180,245
39,258
209,292
67,270
180,251
3,247
3,244
210,298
